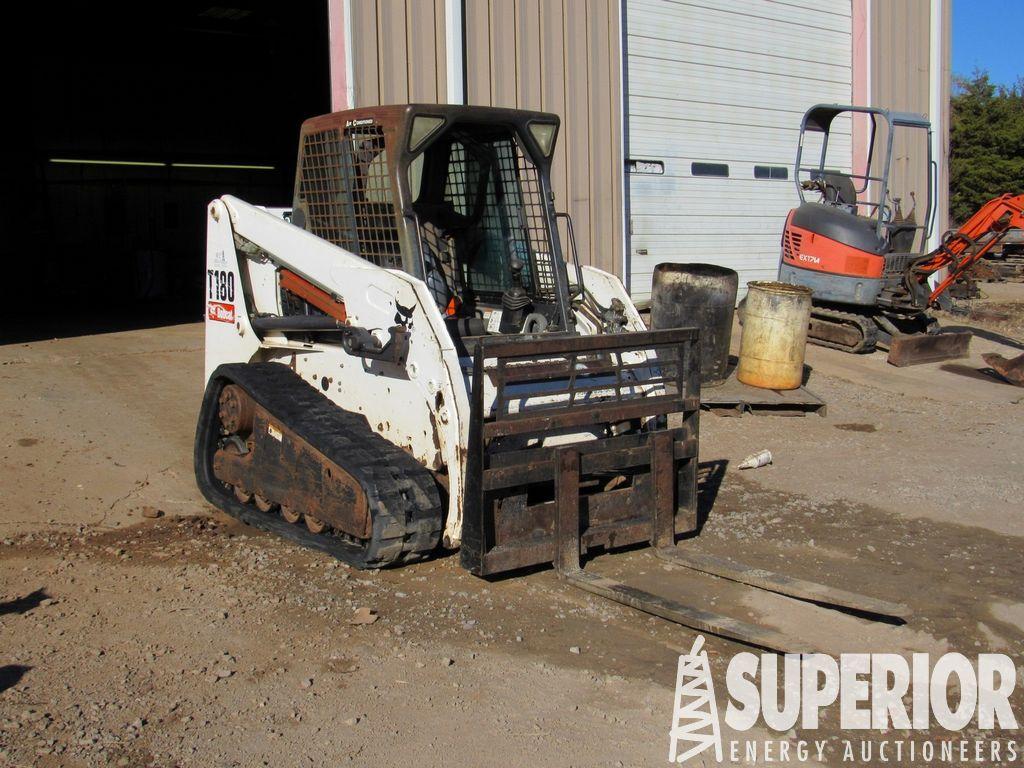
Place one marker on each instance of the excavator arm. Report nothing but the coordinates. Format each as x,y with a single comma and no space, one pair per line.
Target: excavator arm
960,250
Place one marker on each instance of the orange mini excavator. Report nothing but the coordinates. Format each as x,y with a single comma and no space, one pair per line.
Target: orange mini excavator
864,260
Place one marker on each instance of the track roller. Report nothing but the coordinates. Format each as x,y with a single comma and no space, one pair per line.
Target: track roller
264,504
847,331
315,524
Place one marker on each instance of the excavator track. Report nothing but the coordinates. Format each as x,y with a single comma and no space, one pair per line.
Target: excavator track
403,511
847,331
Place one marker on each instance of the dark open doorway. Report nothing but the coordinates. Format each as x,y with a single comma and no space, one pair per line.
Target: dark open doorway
138,116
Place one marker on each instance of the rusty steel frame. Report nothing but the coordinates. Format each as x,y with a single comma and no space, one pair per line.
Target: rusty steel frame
278,464
588,387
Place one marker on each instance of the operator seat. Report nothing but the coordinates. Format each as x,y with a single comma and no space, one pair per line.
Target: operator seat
839,190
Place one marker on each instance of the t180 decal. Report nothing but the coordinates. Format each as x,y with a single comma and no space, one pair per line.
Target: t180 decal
220,285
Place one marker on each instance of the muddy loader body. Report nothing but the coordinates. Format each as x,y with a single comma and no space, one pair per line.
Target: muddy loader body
410,364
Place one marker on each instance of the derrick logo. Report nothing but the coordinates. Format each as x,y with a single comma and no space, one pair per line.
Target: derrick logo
221,312
871,691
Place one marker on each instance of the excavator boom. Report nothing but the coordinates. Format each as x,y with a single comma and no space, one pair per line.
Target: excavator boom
962,249
959,251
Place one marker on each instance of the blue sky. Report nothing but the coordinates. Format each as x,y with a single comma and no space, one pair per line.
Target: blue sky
987,34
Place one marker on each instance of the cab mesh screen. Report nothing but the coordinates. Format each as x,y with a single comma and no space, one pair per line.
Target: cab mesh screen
345,184
495,186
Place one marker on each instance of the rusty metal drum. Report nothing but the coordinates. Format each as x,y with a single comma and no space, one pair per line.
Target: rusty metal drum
701,296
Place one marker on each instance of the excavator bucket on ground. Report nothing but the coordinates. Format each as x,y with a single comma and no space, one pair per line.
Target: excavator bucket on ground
1011,369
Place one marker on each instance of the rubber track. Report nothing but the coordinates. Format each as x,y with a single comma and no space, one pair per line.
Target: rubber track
868,329
404,502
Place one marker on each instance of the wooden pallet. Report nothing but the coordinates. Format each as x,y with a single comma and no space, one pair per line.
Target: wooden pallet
733,398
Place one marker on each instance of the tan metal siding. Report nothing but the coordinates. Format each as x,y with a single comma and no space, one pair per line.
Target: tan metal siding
900,80
398,51
552,91
366,75
942,222
561,56
477,30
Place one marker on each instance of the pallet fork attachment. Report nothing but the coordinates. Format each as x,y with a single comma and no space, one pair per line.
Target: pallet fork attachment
567,565
529,504
781,584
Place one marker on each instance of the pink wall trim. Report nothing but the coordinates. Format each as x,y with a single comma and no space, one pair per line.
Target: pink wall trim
339,56
861,95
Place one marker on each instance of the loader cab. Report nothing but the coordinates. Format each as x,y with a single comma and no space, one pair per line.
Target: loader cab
876,205
458,196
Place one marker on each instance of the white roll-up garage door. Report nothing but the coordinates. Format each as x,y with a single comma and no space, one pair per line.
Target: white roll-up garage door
716,90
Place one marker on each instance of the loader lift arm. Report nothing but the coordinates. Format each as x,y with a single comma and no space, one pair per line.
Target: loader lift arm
961,249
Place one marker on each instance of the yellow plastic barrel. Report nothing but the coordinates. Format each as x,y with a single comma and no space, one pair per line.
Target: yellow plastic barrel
774,340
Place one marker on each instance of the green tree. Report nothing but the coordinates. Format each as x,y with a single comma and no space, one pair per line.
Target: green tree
986,143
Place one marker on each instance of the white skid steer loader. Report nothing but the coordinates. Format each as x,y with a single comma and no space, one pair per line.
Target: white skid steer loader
409,365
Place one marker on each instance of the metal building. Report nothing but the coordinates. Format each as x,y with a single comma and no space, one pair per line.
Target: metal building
140,115
680,117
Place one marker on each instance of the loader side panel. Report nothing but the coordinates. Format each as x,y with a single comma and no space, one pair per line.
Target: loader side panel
229,335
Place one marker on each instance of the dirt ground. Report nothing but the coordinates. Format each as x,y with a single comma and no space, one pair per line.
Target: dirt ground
190,640
997,310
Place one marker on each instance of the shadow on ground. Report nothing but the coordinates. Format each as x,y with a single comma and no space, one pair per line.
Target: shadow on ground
23,604
10,674
982,333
